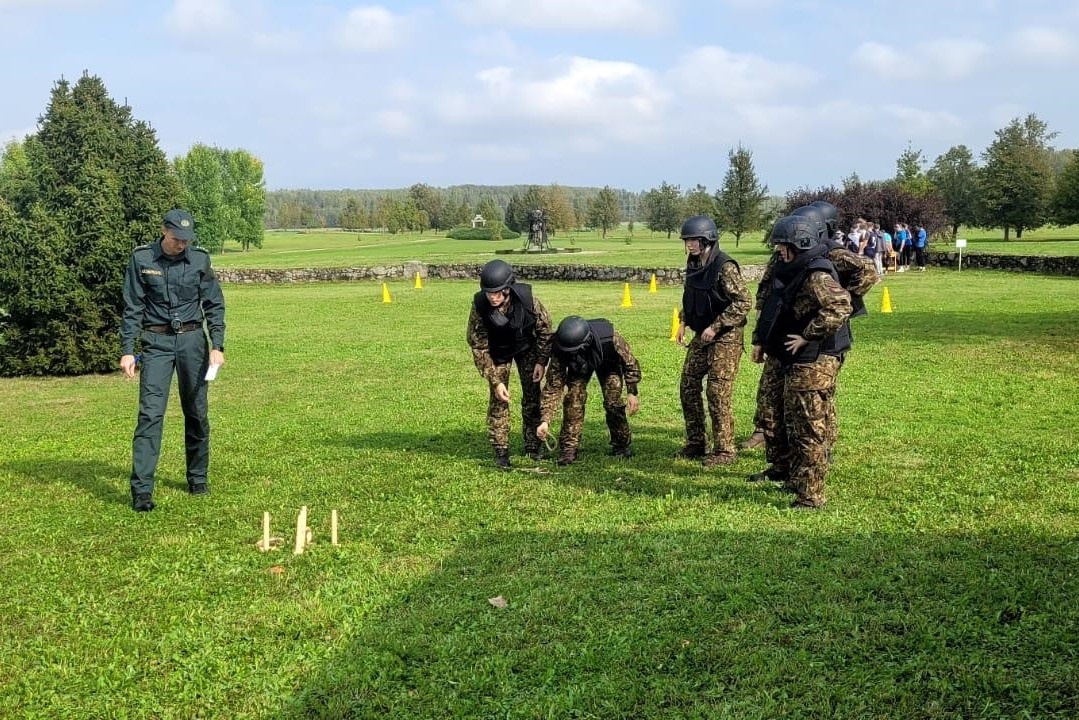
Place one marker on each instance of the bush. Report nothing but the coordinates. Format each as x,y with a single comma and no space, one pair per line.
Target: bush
482,233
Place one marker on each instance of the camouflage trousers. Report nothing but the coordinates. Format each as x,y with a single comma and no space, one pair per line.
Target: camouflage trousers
573,404
718,362
770,408
806,426
498,412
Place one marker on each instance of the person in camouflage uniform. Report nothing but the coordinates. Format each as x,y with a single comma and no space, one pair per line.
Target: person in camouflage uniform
857,275
581,348
715,303
508,325
803,327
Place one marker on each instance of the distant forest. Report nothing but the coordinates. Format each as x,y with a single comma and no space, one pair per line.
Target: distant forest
326,208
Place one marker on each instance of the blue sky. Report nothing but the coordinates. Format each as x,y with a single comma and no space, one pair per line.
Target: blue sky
626,93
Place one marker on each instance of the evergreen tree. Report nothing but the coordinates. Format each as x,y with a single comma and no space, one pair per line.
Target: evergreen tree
99,185
742,200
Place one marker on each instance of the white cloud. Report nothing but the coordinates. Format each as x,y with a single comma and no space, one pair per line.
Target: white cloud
192,18
1044,45
918,122
619,100
946,59
371,29
395,123
711,74
635,16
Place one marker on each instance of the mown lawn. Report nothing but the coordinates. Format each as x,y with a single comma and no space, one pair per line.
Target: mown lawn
642,248
940,581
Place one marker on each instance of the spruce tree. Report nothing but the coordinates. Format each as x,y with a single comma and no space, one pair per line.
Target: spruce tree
99,185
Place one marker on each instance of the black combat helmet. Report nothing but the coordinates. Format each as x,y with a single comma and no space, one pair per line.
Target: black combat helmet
573,334
496,275
700,226
796,231
830,214
815,216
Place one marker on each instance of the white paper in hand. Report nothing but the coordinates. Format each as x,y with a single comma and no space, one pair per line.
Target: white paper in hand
211,372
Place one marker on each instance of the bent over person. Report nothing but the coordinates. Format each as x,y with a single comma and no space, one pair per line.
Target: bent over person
581,348
715,303
508,325
803,329
173,303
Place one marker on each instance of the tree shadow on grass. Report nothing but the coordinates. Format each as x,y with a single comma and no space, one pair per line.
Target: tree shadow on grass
777,623
107,483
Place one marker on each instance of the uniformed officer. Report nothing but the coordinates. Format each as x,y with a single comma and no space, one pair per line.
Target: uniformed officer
715,303
803,329
505,325
581,348
173,303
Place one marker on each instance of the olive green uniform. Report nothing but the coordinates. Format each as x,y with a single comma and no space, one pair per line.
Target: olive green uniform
171,304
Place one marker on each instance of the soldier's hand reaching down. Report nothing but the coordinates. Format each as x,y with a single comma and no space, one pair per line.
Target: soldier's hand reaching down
632,404
543,430
757,354
537,372
502,393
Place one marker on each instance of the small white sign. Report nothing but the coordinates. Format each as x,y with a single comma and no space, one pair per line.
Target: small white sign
960,242
211,372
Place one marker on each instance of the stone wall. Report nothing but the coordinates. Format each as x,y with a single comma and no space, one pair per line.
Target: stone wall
408,270
1017,263
599,273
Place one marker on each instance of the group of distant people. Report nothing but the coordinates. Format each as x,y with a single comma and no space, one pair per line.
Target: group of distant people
884,249
811,287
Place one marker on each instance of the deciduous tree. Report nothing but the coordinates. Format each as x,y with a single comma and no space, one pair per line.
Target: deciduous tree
1016,181
954,176
605,211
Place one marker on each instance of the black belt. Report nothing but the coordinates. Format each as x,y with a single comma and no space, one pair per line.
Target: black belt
169,330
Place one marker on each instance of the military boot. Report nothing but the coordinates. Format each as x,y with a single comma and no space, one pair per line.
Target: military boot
502,458
568,456
713,459
621,451
143,502
771,473
755,440
690,452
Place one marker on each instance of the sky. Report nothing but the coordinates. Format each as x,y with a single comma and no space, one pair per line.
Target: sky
626,93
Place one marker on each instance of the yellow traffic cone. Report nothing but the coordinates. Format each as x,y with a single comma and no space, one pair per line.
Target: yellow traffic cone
386,293
419,283
674,325
886,302
652,284
626,302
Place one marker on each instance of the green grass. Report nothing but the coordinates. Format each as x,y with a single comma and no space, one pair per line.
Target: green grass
940,581
335,248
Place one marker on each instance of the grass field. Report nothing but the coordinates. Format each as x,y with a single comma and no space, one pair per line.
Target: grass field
335,248
939,582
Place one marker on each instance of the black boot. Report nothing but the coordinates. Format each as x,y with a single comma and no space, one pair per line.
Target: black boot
502,458
769,474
